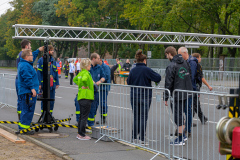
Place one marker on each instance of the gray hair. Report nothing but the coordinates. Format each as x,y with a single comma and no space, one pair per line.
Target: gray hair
184,49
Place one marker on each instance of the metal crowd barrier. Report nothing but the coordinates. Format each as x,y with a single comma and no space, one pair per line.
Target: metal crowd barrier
121,114
159,121
7,90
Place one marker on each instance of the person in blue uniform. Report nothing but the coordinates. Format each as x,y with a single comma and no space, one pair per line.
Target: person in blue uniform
25,44
104,91
98,77
27,89
54,81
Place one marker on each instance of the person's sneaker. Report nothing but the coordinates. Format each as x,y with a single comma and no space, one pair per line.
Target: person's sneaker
178,142
205,120
194,124
29,133
175,134
97,122
188,134
142,143
83,138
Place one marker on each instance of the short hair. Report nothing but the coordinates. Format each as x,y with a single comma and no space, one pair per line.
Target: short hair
171,50
140,57
197,55
184,49
50,47
25,53
24,43
84,63
93,55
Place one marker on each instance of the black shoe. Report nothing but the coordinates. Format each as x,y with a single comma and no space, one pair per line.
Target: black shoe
194,124
97,122
188,134
205,120
29,133
175,134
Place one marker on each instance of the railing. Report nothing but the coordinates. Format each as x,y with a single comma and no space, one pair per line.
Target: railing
132,119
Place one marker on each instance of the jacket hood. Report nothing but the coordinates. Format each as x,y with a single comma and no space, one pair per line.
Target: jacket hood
191,58
178,59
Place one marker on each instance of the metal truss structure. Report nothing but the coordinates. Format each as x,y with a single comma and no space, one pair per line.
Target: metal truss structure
62,33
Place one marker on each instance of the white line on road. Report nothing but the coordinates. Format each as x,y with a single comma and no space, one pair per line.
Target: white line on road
9,88
58,97
69,87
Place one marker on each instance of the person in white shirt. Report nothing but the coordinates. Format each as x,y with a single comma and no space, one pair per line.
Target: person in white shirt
71,71
78,65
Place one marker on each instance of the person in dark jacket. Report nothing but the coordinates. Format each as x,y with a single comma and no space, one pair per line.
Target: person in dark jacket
178,76
27,89
196,101
127,66
113,69
141,98
192,61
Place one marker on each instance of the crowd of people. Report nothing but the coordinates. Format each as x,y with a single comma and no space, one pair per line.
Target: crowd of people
183,72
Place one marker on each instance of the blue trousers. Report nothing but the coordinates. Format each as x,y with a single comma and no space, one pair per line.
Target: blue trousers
188,113
27,111
103,104
52,95
93,111
140,109
77,108
18,106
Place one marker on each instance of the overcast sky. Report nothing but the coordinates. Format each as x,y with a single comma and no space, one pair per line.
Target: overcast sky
4,6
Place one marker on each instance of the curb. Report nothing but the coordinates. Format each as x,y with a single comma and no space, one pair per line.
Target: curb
39,143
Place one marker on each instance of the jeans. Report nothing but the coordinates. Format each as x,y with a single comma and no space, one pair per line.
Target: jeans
140,109
84,112
188,113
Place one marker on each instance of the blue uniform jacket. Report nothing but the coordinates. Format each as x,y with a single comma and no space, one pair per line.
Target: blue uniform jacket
193,65
107,71
35,54
27,77
53,72
141,75
97,73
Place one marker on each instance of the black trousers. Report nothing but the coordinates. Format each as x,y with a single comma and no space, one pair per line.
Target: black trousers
85,107
197,107
71,78
77,72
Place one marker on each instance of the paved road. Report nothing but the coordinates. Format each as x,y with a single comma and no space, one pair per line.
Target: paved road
202,145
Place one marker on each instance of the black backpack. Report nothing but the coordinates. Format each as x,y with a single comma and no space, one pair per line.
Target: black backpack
199,75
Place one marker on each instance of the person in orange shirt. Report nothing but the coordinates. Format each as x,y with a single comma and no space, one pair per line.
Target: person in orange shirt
106,62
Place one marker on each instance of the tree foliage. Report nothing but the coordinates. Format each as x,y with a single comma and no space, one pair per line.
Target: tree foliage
195,16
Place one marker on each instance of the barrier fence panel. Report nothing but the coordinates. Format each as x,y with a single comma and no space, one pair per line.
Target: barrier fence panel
203,142
132,119
137,118
222,78
7,90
